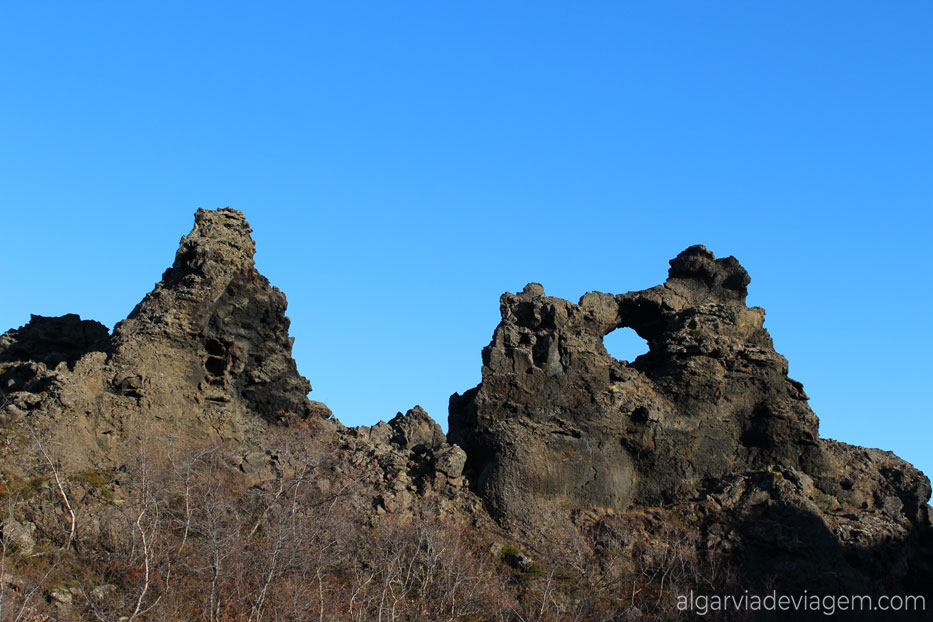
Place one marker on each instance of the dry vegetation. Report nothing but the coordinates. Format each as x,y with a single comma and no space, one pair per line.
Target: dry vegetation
183,535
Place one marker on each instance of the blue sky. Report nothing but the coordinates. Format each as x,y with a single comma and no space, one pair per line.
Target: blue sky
403,164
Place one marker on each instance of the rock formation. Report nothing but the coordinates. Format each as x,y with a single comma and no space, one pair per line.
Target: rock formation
557,423
205,355
706,427
213,332
408,458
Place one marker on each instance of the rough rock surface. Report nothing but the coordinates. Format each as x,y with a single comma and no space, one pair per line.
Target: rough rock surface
205,355
53,340
213,330
558,423
407,461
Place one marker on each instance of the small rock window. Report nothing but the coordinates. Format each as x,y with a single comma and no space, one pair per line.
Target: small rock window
624,344
215,366
216,360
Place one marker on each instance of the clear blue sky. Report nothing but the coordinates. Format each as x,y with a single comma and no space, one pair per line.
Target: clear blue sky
403,164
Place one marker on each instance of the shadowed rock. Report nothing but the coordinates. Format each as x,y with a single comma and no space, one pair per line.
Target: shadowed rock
54,340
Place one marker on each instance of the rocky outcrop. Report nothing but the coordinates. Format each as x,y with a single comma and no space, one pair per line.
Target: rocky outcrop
53,340
30,356
706,429
407,462
557,423
402,468
213,331
785,530
557,420
206,355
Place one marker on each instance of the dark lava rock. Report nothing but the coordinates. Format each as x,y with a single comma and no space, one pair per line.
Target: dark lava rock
416,429
205,356
557,423
407,462
557,420
54,340
214,329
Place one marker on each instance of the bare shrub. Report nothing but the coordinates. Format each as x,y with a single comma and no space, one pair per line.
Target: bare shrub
190,533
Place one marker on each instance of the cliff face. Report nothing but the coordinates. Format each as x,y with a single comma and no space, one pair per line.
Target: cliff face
558,424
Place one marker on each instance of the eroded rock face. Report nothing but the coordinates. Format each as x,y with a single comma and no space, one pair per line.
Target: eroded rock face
558,422
31,354
407,461
786,529
206,355
214,329
707,422
54,340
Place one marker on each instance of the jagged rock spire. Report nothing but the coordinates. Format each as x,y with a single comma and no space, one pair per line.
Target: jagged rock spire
216,326
205,355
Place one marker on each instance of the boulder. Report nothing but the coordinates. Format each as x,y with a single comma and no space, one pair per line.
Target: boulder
416,429
21,536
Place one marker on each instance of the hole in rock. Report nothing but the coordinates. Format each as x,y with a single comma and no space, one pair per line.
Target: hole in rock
624,344
214,347
215,366
640,415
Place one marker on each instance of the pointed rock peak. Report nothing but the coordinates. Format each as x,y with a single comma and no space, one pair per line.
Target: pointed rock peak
697,275
220,243
217,326
216,255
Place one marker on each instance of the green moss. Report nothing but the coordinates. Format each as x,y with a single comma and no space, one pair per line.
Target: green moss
34,486
534,571
509,550
6,431
96,481
14,436
40,560
94,477
622,388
